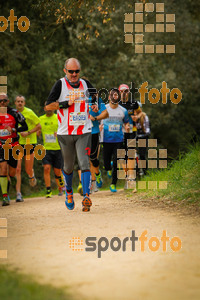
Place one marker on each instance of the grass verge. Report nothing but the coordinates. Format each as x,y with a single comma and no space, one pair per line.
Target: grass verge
14,286
182,176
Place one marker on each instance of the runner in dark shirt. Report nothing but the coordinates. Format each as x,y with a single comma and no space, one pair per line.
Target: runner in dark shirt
10,119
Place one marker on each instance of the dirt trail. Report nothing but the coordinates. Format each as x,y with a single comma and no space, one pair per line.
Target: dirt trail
39,231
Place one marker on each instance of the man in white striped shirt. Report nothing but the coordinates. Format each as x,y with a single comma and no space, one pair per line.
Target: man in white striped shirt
70,96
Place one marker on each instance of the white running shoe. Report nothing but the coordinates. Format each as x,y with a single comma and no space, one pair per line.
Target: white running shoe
130,184
19,198
94,187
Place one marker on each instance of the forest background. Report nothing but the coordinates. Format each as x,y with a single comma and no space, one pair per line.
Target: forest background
93,32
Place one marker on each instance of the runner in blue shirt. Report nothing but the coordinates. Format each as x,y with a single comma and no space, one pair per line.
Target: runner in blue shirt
113,135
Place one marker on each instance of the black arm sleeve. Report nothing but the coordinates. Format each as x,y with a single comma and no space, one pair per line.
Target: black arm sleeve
55,92
24,127
22,121
63,104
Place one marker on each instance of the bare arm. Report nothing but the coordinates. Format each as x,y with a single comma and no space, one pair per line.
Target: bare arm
102,116
52,106
39,132
56,105
35,129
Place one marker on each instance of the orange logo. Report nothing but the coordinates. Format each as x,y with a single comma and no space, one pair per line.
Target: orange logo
23,22
75,244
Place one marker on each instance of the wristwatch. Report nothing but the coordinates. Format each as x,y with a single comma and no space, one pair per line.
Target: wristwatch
95,118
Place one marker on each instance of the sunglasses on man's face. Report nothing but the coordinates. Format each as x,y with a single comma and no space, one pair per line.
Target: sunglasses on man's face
73,71
3,100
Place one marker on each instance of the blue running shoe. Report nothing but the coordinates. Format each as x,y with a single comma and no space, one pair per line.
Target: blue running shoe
109,173
69,202
113,188
86,203
99,180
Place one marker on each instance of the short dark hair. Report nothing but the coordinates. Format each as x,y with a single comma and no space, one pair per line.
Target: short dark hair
20,96
114,90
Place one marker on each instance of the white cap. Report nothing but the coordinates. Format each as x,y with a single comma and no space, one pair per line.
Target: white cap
123,87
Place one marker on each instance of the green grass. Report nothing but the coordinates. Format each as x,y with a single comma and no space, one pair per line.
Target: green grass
183,177
14,286
41,193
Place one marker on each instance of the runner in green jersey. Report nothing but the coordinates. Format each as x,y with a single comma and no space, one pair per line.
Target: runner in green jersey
53,157
30,137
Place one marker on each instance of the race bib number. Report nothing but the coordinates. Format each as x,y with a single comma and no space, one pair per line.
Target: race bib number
77,118
50,138
114,128
4,132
